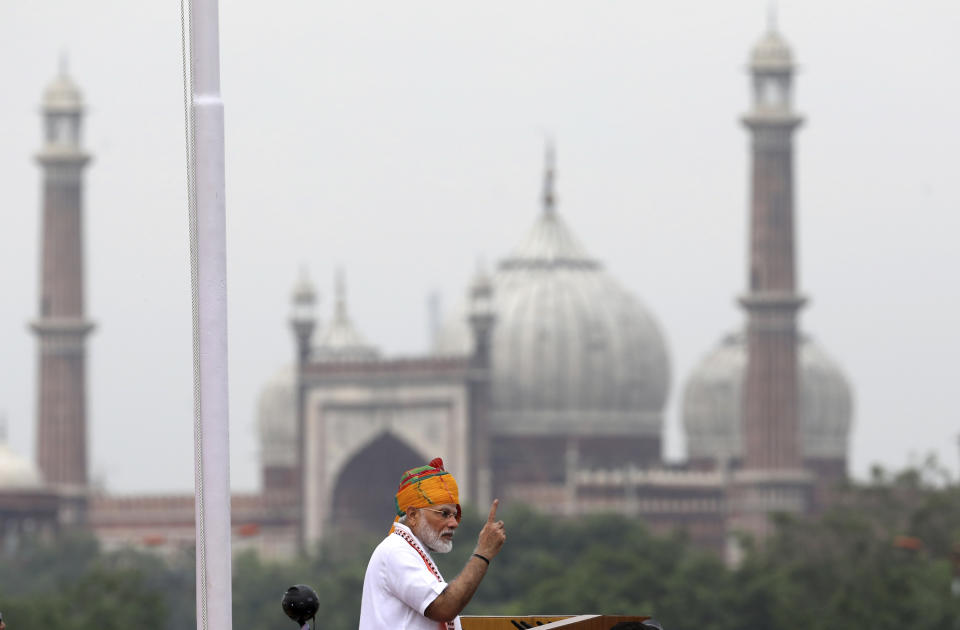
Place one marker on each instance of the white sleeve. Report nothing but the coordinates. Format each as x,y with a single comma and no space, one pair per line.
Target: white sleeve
410,581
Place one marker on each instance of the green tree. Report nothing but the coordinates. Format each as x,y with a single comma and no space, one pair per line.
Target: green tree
879,559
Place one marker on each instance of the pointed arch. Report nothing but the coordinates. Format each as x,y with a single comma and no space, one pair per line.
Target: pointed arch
364,491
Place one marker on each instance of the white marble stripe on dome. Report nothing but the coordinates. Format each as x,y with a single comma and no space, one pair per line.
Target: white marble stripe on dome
512,315
580,336
589,311
612,388
625,362
567,363
594,342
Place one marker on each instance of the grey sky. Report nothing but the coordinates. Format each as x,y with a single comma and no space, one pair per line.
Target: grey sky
404,140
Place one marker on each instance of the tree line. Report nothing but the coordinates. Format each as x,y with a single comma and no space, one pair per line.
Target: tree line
885,556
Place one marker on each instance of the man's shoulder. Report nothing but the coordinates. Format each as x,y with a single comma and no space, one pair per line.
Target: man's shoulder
394,549
392,559
389,546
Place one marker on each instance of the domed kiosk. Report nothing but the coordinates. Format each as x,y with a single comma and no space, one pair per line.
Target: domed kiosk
579,367
771,53
339,341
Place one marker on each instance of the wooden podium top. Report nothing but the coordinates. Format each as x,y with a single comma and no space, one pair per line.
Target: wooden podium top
546,622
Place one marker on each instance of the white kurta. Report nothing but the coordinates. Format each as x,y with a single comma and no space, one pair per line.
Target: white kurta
398,587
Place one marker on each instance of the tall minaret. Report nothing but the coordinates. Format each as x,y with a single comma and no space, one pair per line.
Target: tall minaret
61,326
772,478
771,388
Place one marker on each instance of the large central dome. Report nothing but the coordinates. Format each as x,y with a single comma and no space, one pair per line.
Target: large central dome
573,352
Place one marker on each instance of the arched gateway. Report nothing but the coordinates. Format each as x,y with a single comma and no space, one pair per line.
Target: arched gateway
363,492
367,422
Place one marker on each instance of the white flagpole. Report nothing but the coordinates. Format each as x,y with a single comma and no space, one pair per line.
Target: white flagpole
214,599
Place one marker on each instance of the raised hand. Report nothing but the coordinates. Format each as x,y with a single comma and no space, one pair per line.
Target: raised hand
493,534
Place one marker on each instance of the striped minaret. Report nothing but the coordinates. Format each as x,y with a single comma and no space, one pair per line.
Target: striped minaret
61,326
772,478
771,388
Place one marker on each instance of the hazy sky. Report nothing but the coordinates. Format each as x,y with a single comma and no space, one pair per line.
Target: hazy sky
404,140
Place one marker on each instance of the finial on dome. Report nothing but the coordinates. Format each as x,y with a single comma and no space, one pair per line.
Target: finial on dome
64,63
549,197
340,295
772,16
3,428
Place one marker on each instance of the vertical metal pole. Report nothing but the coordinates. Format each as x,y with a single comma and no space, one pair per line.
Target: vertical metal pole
214,600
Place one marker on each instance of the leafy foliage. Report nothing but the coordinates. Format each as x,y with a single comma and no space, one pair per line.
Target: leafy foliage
880,559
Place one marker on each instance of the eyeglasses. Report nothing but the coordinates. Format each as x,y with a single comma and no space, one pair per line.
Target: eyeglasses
445,513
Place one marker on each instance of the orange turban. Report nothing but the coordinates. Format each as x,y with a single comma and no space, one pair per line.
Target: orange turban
426,486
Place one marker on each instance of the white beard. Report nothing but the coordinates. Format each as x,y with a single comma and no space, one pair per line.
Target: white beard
433,540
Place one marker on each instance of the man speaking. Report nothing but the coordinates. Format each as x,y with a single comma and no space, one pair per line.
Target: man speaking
403,589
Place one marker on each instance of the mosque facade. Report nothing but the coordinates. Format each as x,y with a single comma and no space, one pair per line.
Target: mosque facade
555,380
547,387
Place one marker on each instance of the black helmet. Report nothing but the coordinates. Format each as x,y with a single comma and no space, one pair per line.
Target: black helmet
300,602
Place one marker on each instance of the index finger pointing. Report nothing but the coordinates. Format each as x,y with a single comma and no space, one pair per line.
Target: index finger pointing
493,511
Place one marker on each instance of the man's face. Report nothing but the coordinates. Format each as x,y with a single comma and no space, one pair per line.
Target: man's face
435,525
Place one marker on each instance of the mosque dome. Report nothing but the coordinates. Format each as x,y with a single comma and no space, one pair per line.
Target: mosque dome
62,94
572,351
771,53
712,403
15,471
277,419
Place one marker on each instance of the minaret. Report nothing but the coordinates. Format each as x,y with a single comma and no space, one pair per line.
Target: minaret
771,389
482,318
772,478
61,326
303,320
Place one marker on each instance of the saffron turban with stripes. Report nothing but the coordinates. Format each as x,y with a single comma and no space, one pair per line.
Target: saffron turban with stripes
425,486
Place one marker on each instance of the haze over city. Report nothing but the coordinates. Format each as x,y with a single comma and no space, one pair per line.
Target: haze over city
404,143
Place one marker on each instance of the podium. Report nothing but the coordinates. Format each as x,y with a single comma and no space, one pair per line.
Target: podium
546,622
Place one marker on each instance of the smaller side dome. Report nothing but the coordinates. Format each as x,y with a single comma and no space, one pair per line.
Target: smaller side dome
16,472
713,403
771,53
277,420
826,404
